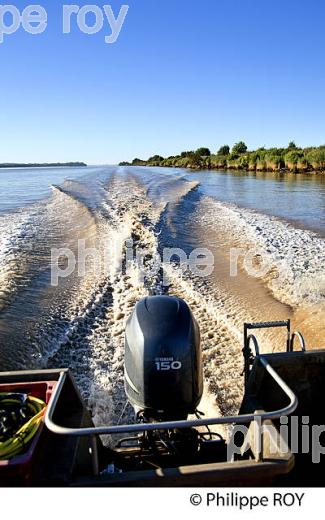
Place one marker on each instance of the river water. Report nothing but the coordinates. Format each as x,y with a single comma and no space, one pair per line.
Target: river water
273,224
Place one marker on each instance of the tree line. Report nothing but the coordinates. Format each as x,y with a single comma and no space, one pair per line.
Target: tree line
292,159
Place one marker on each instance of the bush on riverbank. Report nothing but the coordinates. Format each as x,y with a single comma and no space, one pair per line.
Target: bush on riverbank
292,159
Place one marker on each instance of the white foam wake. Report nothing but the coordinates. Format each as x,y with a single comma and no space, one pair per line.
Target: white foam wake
295,257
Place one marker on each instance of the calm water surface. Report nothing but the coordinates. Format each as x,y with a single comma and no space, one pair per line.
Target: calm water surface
297,198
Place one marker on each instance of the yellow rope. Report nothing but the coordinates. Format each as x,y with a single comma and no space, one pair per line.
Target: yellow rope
17,443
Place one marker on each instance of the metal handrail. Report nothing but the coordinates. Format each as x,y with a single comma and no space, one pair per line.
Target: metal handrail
298,335
269,325
168,425
256,345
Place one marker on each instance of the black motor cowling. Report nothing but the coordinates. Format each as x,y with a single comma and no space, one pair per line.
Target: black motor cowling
163,364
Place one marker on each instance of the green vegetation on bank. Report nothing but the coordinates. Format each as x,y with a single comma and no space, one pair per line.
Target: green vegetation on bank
292,159
44,165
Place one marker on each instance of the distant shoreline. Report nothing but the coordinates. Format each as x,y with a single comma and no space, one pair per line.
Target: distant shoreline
278,160
43,165
306,171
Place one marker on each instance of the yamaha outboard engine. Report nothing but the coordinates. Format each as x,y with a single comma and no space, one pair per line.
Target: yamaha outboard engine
163,364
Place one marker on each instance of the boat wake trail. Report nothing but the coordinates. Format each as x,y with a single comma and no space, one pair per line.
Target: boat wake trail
94,344
94,348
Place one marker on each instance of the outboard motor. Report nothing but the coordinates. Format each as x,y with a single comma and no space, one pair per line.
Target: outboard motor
163,361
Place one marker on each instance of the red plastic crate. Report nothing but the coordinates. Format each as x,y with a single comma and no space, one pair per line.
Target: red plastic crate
19,467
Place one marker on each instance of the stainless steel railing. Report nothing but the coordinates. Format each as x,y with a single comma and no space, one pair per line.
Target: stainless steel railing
168,425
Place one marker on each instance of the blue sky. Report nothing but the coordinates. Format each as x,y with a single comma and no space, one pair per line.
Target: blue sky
182,74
